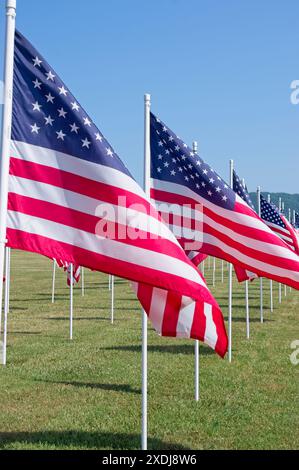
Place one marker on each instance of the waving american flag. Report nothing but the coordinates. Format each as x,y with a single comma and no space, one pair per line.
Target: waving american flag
229,228
279,224
62,170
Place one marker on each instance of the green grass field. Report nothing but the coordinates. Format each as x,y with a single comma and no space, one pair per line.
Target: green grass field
85,394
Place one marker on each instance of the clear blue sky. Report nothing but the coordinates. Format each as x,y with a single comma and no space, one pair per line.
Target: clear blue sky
218,71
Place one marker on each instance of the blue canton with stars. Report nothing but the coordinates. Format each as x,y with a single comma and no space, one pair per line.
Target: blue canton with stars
241,190
172,160
270,213
46,114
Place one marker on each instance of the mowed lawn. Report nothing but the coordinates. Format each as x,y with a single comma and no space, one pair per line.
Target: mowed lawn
86,393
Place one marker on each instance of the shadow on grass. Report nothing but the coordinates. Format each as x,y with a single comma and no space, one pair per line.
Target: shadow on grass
167,349
123,388
83,439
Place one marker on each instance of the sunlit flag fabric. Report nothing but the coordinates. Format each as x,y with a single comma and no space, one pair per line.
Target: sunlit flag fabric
242,191
230,229
67,184
279,224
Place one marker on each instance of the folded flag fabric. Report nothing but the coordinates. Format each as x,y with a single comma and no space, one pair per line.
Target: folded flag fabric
72,198
219,222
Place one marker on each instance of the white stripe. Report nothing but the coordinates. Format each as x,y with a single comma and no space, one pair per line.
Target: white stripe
71,200
157,308
106,247
185,318
238,217
211,336
263,247
276,227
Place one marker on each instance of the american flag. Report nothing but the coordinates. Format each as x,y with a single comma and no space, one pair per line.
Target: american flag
279,224
62,170
241,189
230,229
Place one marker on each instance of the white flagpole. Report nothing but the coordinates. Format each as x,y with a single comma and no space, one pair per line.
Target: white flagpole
279,285
214,272
271,282
209,262
5,306
147,173
247,309
109,285
53,280
196,343
258,192
82,282
8,281
71,299
112,299
6,135
230,280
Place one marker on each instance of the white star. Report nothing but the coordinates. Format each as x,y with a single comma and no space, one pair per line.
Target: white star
218,189
109,152
170,138
198,162
34,129
167,152
210,193
203,184
180,169
172,173
160,143
62,90
224,198
49,120
60,135
177,147
50,76
87,122
183,157
205,171
50,98
160,157
166,164
36,61
37,83
164,128
159,170
197,185
85,143
36,106
186,178
75,106
98,136
74,128
62,112
190,166
211,180
173,160
185,145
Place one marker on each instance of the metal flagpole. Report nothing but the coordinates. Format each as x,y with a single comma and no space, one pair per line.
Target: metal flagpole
71,299
53,280
258,192
5,306
82,282
8,281
247,309
6,135
214,272
112,299
246,294
271,282
196,344
230,280
147,173
279,285
109,285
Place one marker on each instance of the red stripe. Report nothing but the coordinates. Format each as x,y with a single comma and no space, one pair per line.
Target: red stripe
88,223
171,314
72,254
80,185
199,322
222,340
